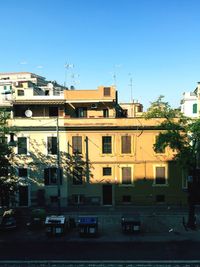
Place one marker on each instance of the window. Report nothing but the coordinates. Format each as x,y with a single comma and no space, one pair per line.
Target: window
22,172
160,178
185,179
52,145
77,176
106,144
126,175
160,198
51,174
77,144
81,112
106,113
126,144
22,145
3,140
107,171
106,91
78,199
53,199
194,108
20,92
53,111
126,198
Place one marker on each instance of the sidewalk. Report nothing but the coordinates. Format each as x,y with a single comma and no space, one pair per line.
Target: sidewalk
160,224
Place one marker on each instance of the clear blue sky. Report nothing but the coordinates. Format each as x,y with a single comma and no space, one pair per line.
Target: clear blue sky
156,42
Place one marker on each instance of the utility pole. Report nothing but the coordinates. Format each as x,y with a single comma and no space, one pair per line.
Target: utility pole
87,161
58,165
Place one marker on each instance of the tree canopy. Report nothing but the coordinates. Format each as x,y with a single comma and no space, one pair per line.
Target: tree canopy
8,182
180,133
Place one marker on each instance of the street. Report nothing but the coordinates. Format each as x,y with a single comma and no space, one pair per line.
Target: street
100,264
85,251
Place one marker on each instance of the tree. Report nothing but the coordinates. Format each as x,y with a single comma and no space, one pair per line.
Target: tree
182,135
8,182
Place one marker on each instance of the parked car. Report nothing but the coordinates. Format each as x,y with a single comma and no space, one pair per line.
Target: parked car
9,220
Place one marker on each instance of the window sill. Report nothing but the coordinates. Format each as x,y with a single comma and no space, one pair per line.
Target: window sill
126,185
160,185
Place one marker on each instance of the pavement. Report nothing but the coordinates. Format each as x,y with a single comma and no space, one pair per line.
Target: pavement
158,224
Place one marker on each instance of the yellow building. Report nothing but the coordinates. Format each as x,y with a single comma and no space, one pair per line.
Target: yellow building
103,150
116,151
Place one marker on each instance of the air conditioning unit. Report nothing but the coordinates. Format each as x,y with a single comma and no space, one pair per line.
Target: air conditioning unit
94,106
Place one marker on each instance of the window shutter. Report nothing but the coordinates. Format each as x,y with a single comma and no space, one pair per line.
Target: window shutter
49,145
106,91
160,175
77,144
126,144
194,108
126,175
54,145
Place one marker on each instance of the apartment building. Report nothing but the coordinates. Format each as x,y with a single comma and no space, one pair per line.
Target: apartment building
85,148
190,103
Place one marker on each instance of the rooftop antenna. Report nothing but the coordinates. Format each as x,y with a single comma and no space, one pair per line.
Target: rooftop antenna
131,86
67,66
115,74
74,79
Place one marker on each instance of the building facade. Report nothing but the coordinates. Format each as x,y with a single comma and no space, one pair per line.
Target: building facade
82,147
189,105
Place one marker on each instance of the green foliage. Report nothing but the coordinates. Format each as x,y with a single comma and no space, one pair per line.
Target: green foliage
161,109
8,183
178,132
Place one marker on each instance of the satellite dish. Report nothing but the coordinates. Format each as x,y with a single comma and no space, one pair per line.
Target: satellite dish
28,113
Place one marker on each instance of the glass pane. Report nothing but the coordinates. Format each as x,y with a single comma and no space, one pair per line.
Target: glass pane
22,145
106,145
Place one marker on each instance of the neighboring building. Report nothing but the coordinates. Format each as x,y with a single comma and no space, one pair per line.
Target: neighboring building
133,109
105,154
189,105
197,92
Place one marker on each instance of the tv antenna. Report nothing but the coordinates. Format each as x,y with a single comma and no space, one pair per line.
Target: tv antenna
67,66
131,86
115,73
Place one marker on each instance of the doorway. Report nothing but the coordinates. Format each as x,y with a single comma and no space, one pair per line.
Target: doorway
107,194
23,195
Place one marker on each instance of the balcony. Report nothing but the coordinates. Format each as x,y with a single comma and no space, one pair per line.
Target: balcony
37,95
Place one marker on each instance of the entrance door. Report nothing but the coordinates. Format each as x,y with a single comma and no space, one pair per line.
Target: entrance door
107,194
23,195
